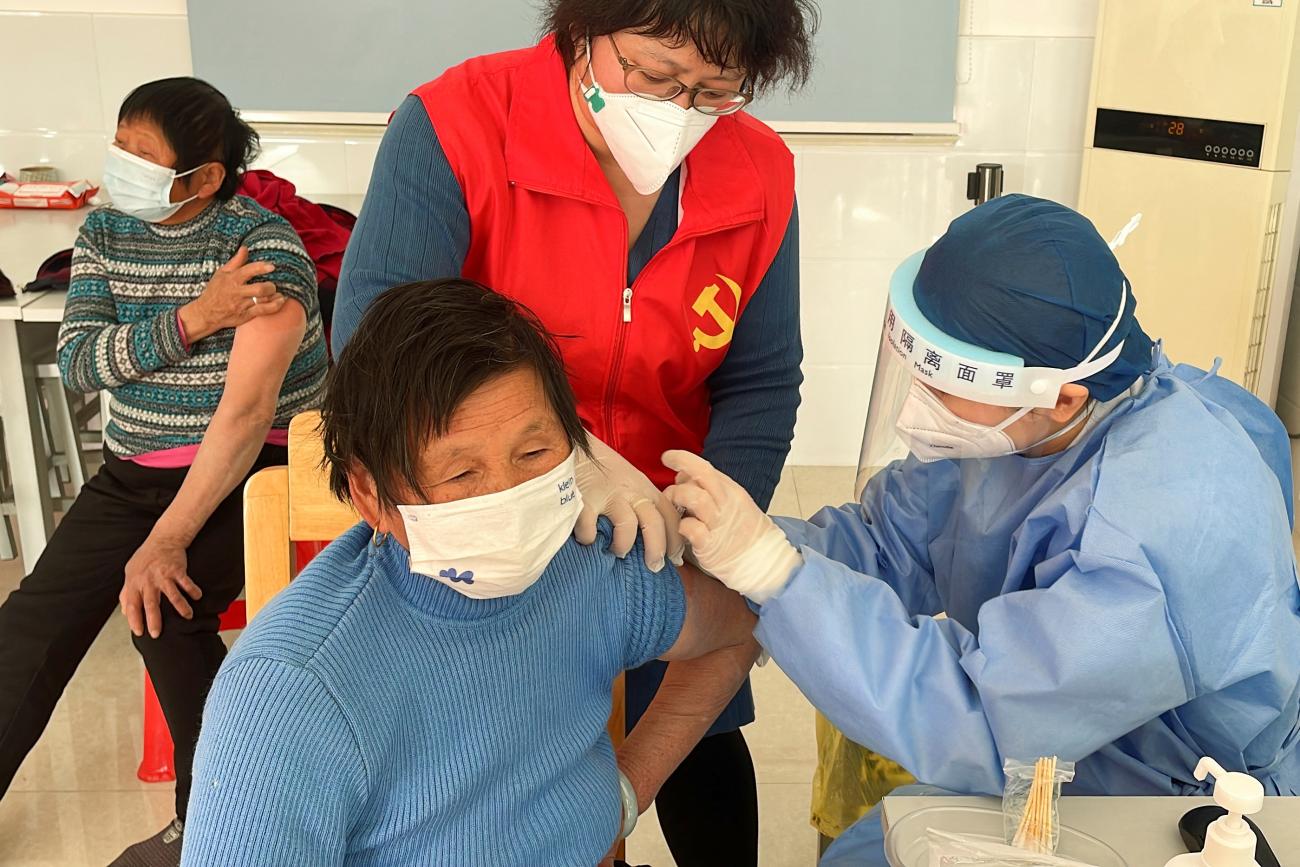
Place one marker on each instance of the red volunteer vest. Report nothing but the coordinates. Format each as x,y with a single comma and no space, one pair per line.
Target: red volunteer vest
547,230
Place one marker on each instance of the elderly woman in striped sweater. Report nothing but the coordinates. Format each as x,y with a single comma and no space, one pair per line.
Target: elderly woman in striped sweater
196,309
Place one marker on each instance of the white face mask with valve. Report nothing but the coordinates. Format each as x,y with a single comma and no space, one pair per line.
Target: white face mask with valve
498,544
648,139
140,188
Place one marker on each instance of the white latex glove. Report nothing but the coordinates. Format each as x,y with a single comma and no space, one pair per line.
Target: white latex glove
614,488
731,538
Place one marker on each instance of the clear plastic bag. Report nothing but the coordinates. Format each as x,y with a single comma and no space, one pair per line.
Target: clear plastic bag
1030,810
959,850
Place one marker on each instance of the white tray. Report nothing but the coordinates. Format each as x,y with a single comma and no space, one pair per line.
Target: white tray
906,844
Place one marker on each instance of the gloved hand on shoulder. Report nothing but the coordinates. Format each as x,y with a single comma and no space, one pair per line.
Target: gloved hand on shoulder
614,488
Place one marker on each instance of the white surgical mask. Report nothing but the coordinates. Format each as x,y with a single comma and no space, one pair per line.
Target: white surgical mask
498,544
140,188
648,139
934,433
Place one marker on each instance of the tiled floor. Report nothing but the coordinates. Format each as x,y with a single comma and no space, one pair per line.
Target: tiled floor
76,800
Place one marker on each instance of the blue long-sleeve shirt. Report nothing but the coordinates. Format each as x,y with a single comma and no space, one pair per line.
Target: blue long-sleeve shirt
415,226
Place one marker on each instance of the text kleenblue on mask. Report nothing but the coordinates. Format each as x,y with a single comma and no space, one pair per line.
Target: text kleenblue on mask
498,544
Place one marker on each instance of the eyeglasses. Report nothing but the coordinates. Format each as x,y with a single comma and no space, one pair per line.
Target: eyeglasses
649,84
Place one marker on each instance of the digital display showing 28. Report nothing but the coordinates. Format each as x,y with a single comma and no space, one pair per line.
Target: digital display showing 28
1191,138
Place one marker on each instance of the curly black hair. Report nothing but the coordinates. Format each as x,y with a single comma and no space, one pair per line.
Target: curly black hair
771,40
199,124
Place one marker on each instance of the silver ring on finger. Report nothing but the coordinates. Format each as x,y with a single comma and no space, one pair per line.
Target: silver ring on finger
255,299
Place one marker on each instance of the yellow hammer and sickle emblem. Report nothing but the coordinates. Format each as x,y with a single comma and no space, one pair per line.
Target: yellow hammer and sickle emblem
707,305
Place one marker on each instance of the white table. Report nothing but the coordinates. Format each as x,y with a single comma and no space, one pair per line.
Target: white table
45,307
28,238
1144,831
24,438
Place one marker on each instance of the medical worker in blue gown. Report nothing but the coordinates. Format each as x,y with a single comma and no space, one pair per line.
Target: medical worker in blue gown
1108,533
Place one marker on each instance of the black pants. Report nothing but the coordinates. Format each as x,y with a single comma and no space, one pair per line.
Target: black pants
708,808
50,621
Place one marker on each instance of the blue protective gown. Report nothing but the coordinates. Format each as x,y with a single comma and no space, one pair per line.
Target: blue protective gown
1130,603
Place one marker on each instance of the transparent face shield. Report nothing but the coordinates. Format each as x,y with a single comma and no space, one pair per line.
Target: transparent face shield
881,444
913,348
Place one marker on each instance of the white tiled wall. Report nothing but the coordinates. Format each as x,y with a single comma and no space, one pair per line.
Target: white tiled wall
60,113
1022,66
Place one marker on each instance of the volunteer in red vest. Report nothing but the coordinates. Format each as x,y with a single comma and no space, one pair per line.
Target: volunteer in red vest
611,179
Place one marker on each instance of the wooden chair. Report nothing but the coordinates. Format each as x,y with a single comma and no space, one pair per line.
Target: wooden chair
284,505
293,504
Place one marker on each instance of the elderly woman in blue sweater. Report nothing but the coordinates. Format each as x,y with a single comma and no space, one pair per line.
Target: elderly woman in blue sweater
434,687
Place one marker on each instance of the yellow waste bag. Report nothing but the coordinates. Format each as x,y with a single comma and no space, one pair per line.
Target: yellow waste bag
849,781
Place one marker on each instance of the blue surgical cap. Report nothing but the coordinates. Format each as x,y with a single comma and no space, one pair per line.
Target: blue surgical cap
1033,278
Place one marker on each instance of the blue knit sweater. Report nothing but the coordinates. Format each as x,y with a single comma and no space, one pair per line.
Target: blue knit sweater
371,716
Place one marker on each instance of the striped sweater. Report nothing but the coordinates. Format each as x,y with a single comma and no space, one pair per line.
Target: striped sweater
120,330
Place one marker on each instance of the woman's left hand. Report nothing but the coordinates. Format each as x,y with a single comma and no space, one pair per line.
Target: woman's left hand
157,569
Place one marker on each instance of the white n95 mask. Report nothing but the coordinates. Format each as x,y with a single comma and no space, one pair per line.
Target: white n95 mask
935,433
648,139
140,188
498,544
